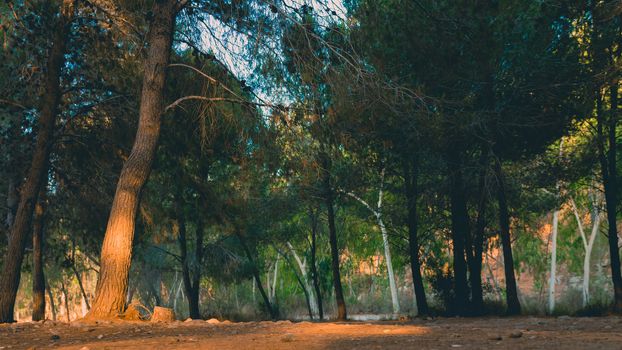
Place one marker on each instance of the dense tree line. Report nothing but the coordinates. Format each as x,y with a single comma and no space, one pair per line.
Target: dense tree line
171,147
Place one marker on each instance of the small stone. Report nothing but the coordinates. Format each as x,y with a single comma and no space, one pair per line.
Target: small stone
188,319
55,337
213,321
495,337
85,348
226,322
288,338
385,331
516,334
100,336
607,327
456,345
563,317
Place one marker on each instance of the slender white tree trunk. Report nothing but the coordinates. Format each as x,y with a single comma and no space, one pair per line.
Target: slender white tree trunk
588,245
276,272
302,265
385,240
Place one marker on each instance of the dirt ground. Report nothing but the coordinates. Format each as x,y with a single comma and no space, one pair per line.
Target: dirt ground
437,333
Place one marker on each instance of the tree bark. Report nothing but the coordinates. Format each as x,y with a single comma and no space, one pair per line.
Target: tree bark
116,253
38,277
459,230
508,261
9,280
314,273
332,232
410,180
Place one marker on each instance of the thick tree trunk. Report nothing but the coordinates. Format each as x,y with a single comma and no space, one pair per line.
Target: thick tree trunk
314,273
9,280
511,292
38,277
255,271
116,253
475,266
459,230
334,247
410,179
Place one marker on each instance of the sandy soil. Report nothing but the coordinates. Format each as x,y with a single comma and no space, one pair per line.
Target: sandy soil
438,333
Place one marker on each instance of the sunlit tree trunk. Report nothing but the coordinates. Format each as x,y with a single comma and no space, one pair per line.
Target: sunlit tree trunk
9,280
116,253
511,292
38,277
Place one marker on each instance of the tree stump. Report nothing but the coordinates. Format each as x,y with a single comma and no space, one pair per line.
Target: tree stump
162,314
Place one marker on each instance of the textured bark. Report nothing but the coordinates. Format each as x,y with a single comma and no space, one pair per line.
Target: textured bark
459,230
38,277
314,273
334,247
9,280
511,292
192,291
410,179
255,271
116,253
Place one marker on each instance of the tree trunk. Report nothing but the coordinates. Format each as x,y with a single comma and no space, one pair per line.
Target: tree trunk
38,277
255,271
63,289
302,281
51,297
511,292
314,273
9,280
553,277
410,179
116,253
12,201
334,247
193,303
459,230
475,266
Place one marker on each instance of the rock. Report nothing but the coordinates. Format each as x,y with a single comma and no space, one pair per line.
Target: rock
288,338
563,317
55,337
226,322
213,321
283,322
516,334
162,314
101,336
188,320
495,337
456,345
85,348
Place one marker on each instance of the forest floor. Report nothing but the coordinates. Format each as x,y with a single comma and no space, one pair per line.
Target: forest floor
438,333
